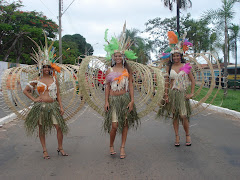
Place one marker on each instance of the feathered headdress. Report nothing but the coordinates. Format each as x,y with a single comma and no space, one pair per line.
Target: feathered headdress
121,45
45,56
176,44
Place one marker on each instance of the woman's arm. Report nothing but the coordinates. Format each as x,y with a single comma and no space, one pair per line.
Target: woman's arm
59,97
107,92
27,91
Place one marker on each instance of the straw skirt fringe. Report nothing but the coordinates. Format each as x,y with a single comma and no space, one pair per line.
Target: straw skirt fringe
46,115
178,106
118,112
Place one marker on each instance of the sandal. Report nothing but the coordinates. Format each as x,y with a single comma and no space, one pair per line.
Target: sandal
122,156
60,151
45,156
177,144
188,143
112,152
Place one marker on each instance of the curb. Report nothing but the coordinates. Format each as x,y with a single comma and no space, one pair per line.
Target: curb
7,119
227,111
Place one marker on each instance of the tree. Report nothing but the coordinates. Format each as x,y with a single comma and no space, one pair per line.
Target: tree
234,37
141,47
181,4
222,17
16,25
158,28
76,45
198,32
83,46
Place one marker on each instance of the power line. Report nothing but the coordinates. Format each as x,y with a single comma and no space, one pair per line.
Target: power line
68,6
47,8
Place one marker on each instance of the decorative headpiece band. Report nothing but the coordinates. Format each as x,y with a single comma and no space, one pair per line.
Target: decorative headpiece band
45,56
121,45
176,44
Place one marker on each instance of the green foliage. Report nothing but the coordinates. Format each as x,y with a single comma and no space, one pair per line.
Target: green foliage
142,47
234,38
231,101
158,28
221,18
16,25
83,46
74,46
183,4
198,32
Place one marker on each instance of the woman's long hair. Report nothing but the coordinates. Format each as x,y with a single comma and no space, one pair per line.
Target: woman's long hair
170,62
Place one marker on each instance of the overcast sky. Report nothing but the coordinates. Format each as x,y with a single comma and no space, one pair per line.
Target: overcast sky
91,18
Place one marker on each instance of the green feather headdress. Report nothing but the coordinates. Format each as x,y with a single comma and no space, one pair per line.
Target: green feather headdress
121,45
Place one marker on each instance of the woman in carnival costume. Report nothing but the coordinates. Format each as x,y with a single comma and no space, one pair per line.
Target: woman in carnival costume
120,110
178,75
47,110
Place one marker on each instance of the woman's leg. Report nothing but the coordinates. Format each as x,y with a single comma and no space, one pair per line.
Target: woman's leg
43,143
186,128
112,137
60,140
124,138
176,128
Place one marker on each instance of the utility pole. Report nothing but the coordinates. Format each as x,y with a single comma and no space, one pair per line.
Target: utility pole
178,17
60,31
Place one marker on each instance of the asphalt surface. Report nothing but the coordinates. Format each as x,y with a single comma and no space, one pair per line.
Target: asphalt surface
151,154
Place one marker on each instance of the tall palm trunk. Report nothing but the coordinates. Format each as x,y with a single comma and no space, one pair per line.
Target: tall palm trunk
225,58
235,76
178,17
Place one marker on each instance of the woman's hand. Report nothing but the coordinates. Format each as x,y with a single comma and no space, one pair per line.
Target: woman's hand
189,96
130,106
61,111
38,99
106,107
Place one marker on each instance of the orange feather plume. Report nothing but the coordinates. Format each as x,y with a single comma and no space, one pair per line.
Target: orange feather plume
120,78
55,67
41,89
172,37
185,48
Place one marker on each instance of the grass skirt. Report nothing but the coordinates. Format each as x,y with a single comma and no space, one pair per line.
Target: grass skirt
45,114
178,106
120,103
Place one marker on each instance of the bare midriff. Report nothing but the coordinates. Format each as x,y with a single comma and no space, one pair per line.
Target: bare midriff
117,93
45,97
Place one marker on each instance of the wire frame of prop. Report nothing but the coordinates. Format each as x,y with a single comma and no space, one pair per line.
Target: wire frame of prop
205,73
148,84
14,81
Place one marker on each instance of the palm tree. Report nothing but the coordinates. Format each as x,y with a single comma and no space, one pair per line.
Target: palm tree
223,17
181,4
212,44
141,47
234,37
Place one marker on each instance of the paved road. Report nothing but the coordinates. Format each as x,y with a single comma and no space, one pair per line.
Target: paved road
3,113
215,153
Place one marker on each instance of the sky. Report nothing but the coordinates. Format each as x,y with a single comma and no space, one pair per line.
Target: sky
91,18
